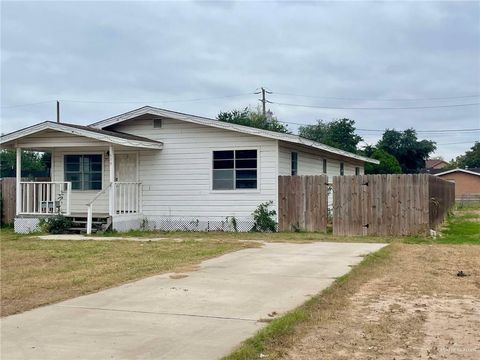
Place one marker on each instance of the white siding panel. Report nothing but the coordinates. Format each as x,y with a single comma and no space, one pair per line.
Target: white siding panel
311,162
177,180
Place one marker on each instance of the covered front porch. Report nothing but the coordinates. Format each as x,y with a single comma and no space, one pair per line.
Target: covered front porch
93,174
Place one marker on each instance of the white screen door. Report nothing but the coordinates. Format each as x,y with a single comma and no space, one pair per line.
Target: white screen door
126,189
126,167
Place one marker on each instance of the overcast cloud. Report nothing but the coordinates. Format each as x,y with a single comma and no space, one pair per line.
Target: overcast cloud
105,58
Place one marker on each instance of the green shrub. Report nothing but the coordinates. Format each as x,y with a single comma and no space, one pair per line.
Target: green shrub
264,218
57,224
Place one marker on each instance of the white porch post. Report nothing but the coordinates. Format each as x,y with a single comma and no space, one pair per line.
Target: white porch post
111,165
19,178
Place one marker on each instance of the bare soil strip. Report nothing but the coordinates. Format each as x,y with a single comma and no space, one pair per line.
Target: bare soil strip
412,307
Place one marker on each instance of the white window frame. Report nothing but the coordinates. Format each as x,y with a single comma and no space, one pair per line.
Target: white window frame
291,163
236,191
92,152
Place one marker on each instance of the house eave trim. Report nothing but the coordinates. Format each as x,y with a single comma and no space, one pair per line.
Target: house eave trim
8,138
228,126
458,170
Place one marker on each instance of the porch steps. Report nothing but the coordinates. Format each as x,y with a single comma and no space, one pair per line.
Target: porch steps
99,223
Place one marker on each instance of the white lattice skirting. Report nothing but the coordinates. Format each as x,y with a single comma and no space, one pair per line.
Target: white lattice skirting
137,222
193,224
26,225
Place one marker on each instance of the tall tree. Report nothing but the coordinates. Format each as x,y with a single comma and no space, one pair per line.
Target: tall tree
388,163
409,151
249,117
32,162
338,133
471,158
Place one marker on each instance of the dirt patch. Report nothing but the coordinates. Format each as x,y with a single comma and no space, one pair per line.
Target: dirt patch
178,276
416,307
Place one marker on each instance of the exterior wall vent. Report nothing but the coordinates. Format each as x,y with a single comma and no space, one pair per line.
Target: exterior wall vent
157,123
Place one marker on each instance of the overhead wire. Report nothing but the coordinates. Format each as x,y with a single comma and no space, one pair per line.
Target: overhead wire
373,108
372,99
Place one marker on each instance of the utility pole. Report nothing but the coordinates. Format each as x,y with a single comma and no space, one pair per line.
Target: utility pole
58,111
264,100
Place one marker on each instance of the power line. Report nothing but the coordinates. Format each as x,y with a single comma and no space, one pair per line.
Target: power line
372,108
365,99
382,130
429,131
155,101
128,102
27,104
458,143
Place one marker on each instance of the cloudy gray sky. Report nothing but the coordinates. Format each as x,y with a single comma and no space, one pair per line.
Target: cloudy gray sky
105,58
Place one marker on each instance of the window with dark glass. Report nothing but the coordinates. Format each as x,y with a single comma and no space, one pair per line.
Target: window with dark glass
234,169
84,171
294,164
357,171
324,166
342,169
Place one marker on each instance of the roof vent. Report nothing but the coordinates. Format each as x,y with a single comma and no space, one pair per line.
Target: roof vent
157,123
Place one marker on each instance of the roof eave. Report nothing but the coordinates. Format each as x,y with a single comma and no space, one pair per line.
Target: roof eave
459,170
5,139
228,126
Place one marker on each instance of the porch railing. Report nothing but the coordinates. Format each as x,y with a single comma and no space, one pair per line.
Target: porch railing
38,197
90,207
127,198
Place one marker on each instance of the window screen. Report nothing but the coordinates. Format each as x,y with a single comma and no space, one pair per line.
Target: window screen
84,171
234,169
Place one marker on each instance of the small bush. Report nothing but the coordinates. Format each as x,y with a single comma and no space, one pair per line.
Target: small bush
264,218
57,224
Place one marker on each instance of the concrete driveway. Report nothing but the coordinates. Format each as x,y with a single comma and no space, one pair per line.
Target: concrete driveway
201,316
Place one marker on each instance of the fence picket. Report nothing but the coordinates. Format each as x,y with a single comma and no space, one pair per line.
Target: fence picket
390,204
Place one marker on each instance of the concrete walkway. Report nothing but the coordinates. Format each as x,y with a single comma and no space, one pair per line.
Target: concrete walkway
201,316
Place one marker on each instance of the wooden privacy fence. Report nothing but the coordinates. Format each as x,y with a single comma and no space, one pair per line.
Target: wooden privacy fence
8,186
390,204
302,203
441,194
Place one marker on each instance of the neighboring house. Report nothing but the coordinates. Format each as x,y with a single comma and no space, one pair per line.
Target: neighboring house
161,169
467,182
435,164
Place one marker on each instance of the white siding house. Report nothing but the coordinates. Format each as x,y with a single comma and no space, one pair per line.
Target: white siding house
165,170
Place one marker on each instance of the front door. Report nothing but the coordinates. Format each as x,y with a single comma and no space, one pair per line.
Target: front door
127,191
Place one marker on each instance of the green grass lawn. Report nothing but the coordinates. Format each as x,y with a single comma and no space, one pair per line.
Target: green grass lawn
37,272
461,228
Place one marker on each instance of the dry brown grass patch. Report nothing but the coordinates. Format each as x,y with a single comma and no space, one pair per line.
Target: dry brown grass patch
415,306
38,272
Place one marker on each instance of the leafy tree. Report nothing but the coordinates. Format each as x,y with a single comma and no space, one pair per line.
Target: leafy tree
32,162
256,119
471,158
388,163
409,151
338,133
